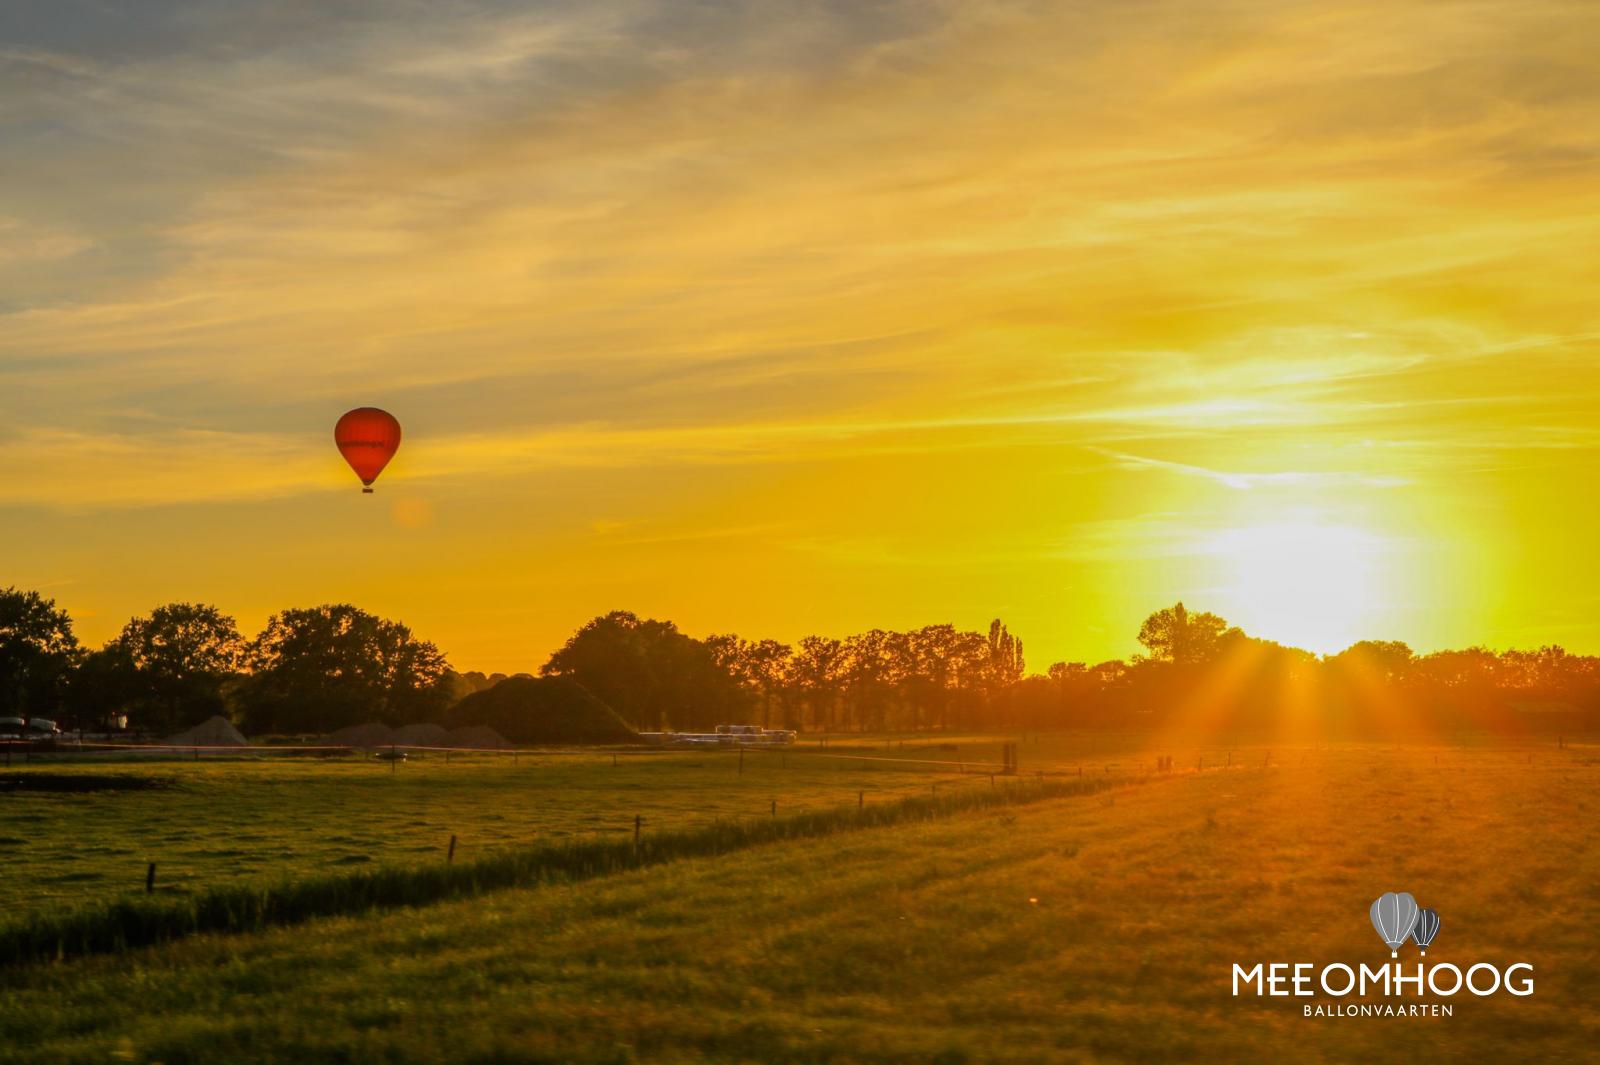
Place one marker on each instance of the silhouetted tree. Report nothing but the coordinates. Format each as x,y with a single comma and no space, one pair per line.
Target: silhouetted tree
816,673
37,648
651,674
761,665
1177,636
326,667
182,654
104,684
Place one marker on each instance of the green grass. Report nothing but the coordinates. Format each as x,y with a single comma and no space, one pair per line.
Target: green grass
1092,928
227,823
243,822
132,923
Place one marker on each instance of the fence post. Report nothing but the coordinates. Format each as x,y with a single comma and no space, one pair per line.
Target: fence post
774,807
150,879
637,822
861,800
450,856
741,759
392,758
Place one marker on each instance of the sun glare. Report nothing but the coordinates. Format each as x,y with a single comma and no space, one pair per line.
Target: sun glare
1304,583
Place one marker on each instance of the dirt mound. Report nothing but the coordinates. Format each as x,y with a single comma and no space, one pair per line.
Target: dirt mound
371,735
478,737
214,732
422,735
543,710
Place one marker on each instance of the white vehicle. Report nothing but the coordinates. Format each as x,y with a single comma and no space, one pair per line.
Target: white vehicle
42,726
11,728
725,736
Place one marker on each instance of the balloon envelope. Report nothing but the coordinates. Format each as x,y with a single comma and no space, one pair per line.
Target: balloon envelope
367,438
1394,915
1427,927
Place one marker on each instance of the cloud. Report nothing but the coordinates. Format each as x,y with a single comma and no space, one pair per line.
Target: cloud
687,250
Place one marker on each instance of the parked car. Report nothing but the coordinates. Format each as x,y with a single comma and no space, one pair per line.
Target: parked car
11,728
39,727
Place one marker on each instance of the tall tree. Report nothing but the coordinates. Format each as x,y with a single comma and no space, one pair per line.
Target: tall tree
326,667
761,665
104,685
651,674
1177,636
816,672
37,648
1006,664
182,655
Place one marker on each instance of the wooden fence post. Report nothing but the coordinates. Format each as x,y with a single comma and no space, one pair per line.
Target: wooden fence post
150,879
638,821
450,856
774,807
861,800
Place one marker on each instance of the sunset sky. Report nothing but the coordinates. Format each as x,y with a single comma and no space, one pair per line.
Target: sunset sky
785,318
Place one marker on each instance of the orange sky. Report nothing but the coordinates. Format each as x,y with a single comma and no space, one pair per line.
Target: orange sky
783,320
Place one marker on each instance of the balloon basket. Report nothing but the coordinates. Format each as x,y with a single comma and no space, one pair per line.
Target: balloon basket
366,491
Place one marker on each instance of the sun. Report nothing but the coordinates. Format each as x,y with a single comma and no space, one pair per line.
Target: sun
1306,583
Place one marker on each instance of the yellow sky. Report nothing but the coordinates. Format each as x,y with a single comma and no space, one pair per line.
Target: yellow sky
781,319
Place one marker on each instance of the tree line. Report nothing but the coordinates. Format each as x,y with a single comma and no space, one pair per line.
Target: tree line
317,669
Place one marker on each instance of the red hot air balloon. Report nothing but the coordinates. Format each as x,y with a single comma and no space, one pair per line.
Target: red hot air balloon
367,438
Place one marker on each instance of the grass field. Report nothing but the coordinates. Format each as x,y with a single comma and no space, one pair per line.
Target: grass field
222,822
229,821
1093,928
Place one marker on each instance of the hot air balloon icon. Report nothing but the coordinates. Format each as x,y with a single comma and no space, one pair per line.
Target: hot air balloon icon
1394,915
1427,927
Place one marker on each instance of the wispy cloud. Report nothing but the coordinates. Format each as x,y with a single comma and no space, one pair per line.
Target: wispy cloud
953,254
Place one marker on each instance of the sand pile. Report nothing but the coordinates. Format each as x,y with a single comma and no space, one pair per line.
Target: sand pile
423,735
215,732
